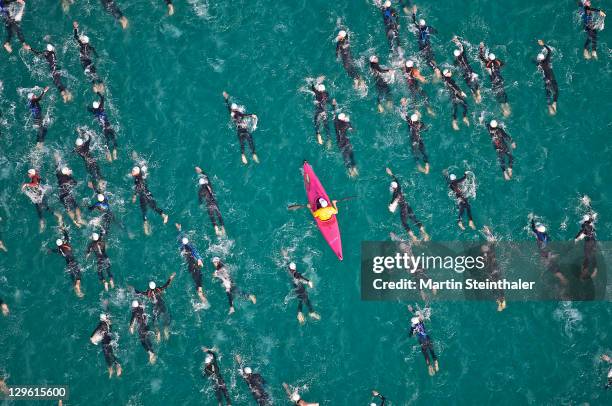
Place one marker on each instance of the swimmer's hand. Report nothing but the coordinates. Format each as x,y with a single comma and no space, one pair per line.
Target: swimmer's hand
513,145
310,284
414,9
134,199
334,102
540,43
225,95
200,263
173,275
375,393
75,24
410,309
601,13
198,170
132,329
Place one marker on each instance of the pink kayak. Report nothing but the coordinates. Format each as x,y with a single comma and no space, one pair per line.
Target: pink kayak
329,228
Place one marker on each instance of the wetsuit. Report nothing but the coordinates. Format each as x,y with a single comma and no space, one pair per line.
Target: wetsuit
413,77
493,270
107,215
406,211
542,238
159,305
100,115
391,21
104,329
424,38
588,24
382,88
501,139
66,184
205,193
11,23
213,373
342,128
104,265
111,7
343,51
90,163
320,115
457,97
424,341
416,141
65,250
497,81
36,112
550,83
51,58
298,281
85,52
37,195
242,128
257,386
470,77
383,400
140,317
145,197
192,256
230,287
587,232
462,201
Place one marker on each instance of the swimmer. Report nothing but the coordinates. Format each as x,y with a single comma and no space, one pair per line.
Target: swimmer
206,193
85,55
82,148
494,272
424,33
382,87
463,204
493,67
212,371
543,239
342,125
194,262
414,80
12,18
220,272
383,400
67,183
102,205
51,57
111,7
160,311
295,397
587,233
255,382
418,328
416,126
391,21
550,83
170,7
503,144
298,282
606,358
320,115
406,212
470,77
343,51
141,190
97,110
239,118
64,248
97,245
37,194
588,24
102,334
37,116
4,307
457,98
139,317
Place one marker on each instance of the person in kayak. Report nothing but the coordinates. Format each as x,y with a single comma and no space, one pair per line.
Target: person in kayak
102,334
64,248
241,121
213,373
343,51
342,126
97,245
205,193
160,311
457,98
415,127
550,83
391,21
470,77
107,217
463,204
37,116
320,115
82,148
66,183
587,233
383,400
99,113
424,33
298,282
86,50
323,211
503,144
12,19
194,261
493,67
255,382
139,317
111,7
588,23
37,195
406,212
294,396
51,57
141,190
414,80
222,274
383,90
417,327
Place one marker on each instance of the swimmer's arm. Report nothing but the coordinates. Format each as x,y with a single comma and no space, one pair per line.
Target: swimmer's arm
337,49
76,33
44,91
548,53
414,21
481,53
168,281
460,180
101,97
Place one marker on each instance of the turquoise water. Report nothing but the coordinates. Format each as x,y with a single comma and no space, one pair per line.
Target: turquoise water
164,79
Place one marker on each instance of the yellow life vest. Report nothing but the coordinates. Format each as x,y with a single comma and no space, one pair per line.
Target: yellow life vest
325,213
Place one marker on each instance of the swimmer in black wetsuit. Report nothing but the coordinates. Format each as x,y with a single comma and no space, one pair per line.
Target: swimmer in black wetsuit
298,281
424,33
320,115
470,77
64,248
414,80
82,148
97,245
239,118
415,127
343,51
462,202
550,83
11,22
212,371
97,109
587,233
220,272
491,266
588,24
406,212
107,218
66,184
549,259
141,190
382,87
256,384
294,396
383,400
139,317
503,144
111,7
85,55
606,358
205,193
155,294
51,57
418,328
102,334
493,67
342,126
195,262
37,116
391,21
457,98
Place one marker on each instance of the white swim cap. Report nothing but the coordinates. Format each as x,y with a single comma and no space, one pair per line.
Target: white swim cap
100,197
409,64
295,397
135,171
342,117
341,34
491,56
79,142
323,202
457,52
415,320
292,266
540,228
95,236
208,359
541,57
30,96
447,73
216,259
95,104
414,117
374,59
493,123
103,317
452,176
387,4
59,242
248,371
84,39
586,217
185,240
202,181
135,303
234,106
66,170
50,48
373,404
422,22
32,172
394,185
152,285
320,87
